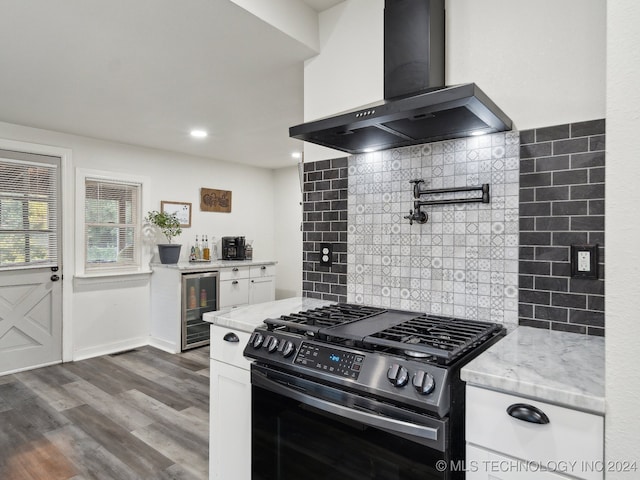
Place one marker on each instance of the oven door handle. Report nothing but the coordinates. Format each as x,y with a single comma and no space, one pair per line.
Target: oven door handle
371,419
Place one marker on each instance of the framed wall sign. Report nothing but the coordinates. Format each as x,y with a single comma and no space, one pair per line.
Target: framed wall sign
181,209
215,200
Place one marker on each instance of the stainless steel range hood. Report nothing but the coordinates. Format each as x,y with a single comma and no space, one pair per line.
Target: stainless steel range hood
417,108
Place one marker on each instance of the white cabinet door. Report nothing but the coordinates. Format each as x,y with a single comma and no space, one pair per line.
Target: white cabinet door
262,290
230,423
234,292
483,464
570,436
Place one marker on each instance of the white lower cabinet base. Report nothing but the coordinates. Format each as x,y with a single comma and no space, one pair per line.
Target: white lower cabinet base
482,464
229,406
571,442
230,425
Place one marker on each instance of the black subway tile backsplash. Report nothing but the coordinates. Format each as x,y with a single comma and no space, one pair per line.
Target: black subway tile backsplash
562,171
535,150
546,164
576,145
597,143
535,179
527,136
567,327
570,177
586,160
551,193
570,208
551,313
552,133
587,191
325,207
589,128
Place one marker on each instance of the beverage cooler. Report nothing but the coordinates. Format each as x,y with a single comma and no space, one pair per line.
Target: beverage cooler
199,296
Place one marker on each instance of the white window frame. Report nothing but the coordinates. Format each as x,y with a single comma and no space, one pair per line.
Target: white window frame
82,175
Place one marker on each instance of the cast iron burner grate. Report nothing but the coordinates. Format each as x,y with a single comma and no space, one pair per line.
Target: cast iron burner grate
430,335
311,321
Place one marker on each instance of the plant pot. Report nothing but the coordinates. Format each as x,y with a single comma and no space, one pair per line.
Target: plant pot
169,253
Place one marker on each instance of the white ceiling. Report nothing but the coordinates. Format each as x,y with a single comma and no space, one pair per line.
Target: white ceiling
320,5
145,72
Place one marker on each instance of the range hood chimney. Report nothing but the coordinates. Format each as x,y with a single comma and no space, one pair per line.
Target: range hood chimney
417,107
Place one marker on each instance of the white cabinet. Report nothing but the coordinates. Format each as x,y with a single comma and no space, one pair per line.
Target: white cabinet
483,464
571,443
247,285
230,406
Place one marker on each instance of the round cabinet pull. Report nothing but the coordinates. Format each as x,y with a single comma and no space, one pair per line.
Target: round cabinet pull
235,269
231,337
263,267
235,282
528,413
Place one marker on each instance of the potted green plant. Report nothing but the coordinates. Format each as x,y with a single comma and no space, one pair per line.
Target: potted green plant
169,225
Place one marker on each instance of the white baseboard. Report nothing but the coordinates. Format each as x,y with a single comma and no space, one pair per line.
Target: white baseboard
110,348
164,345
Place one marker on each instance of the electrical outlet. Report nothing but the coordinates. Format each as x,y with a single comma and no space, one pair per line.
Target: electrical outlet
326,254
584,261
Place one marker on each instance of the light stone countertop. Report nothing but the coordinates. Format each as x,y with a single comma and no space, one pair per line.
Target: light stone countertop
557,367
212,265
246,319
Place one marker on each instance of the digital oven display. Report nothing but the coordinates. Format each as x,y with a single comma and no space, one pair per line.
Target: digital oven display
330,360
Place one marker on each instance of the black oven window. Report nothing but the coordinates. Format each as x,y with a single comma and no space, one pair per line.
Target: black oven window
293,441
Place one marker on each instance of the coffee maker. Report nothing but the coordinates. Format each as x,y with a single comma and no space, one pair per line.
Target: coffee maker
233,248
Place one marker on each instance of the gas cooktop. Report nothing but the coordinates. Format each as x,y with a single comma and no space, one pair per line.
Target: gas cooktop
418,335
375,351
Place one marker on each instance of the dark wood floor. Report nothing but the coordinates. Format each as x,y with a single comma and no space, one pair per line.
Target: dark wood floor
142,414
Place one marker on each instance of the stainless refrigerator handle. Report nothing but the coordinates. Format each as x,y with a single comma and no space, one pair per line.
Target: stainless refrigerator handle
386,423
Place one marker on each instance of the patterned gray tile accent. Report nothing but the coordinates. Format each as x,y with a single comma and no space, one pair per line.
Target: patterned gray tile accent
561,203
464,261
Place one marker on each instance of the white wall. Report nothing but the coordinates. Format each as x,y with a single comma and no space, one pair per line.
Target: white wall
288,235
542,62
622,229
348,72
108,316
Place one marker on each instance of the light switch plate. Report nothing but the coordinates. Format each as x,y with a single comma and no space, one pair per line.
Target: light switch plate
584,261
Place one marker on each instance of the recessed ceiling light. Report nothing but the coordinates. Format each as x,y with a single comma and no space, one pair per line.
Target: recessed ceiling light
296,155
199,133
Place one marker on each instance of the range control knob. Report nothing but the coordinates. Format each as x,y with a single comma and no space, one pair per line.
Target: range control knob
398,375
288,348
271,344
256,340
423,382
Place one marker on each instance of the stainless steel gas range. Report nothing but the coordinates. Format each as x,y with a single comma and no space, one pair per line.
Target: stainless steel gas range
356,392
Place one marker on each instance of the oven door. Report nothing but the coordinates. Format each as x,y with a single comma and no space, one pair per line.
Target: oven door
303,429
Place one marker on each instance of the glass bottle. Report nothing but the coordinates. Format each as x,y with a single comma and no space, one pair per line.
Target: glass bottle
198,252
206,253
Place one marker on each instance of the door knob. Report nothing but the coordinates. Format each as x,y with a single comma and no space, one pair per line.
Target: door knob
55,278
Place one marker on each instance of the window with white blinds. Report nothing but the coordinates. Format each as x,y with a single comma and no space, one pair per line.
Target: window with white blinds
28,214
112,224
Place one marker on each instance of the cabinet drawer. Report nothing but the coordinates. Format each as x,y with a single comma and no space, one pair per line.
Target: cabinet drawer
229,352
263,271
484,464
569,436
234,273
234,292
